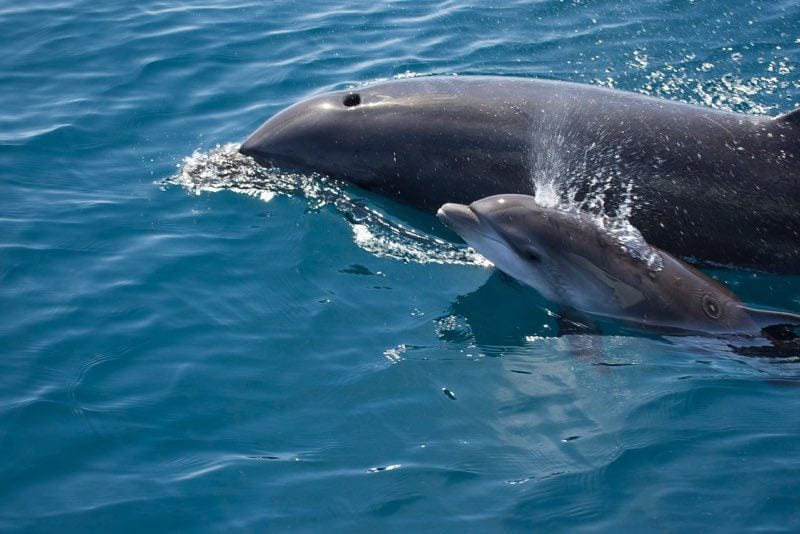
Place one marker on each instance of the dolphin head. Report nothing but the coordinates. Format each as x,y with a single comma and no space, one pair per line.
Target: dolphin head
391,137
309,134
502,229
573,260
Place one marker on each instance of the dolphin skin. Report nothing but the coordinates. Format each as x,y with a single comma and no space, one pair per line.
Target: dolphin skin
584,263
708,185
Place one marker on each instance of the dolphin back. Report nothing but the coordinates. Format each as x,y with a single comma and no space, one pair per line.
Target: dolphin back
792,117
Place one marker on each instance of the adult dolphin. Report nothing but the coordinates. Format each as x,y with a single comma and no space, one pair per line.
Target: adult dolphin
710,185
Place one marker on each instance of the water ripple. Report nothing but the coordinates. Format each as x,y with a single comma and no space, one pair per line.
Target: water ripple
257,357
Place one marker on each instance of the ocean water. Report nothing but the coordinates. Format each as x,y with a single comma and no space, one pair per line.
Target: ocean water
189,343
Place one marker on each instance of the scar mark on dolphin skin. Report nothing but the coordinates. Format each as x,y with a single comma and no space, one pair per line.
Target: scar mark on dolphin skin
727,131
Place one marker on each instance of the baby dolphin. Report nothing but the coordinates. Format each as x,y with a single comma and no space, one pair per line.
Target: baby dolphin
590,265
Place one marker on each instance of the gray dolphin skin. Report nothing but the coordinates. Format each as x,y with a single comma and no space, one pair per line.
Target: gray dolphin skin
575,261
708,185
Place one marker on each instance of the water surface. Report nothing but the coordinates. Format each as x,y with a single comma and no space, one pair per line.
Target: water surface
239,353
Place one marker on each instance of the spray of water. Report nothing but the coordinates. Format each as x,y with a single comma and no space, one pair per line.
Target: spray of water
588,184
224,168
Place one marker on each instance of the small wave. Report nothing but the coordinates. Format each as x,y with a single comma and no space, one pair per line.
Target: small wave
224,168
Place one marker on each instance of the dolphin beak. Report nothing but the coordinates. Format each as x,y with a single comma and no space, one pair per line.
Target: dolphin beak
248,148
272,142
292,136
254,145
457,217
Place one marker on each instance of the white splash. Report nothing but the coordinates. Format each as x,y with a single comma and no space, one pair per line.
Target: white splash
546,193
395,354
224,168
588,184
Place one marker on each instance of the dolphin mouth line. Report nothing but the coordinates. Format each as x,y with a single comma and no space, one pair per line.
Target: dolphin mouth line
499,242
490,238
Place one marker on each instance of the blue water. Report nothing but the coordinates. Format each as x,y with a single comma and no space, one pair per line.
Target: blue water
189,344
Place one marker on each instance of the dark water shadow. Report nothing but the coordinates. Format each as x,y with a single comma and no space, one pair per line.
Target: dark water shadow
502,312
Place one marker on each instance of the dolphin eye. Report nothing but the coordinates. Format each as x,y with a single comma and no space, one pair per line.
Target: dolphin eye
530,254
351,99
711,307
